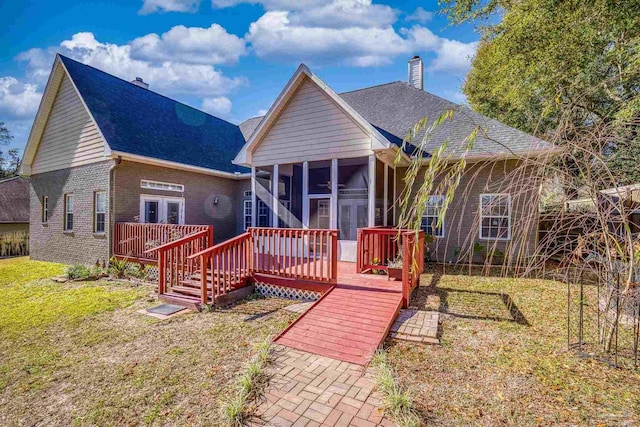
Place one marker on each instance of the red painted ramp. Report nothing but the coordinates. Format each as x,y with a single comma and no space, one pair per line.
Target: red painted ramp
350,321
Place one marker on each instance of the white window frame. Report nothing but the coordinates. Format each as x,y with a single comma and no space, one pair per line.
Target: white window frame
163,186
66,212
45,209
247,217
248,193
482,216
96,212
440,198
263,211
162,207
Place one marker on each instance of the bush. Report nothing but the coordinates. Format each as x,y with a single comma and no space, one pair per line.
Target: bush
77,272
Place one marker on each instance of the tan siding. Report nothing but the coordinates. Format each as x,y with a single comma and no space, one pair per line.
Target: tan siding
311,127
70,137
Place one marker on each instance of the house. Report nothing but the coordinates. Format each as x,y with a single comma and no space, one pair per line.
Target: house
14,204
104,151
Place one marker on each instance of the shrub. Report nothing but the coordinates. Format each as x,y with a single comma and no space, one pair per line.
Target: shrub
118,267
77,272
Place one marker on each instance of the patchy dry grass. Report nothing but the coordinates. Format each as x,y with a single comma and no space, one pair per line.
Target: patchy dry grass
503,359
79,354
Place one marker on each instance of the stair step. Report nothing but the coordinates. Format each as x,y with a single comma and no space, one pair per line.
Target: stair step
189,302
187,290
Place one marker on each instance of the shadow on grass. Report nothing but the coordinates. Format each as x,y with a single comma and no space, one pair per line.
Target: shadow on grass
468,304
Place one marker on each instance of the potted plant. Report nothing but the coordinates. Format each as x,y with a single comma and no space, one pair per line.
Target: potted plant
394,268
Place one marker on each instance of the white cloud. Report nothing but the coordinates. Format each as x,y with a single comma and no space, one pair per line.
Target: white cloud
152,6
273,36
195,45
420,15
218,106
451,55
167,77
18,100
326,14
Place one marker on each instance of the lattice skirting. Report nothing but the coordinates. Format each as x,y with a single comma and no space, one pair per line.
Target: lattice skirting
283,292
150,270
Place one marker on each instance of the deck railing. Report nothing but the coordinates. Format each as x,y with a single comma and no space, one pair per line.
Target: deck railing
290,253
226,266
135,240
296,253
377,246
175,261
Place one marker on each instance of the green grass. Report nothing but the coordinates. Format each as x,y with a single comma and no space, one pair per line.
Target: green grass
79,354
504,359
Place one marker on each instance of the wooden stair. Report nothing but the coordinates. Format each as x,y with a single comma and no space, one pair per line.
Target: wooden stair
189,293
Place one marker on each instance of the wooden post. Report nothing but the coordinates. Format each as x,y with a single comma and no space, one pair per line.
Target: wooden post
161,273
372,190
359,248
406,266
334,256
203,280
210,242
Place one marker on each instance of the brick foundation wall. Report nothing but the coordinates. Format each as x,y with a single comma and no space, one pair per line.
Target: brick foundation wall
49,242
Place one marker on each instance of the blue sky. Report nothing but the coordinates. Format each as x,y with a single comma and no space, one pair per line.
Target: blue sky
228,57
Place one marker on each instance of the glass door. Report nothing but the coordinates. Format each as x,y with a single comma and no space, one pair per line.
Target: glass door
352,215
158,209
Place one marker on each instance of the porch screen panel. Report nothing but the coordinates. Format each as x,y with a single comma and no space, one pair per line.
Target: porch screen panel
353,191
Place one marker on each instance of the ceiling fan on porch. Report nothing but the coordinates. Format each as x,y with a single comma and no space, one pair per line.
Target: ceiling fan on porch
328,185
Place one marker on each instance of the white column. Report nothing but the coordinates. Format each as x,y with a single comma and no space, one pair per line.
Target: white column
305,193
334,193
254,199
275,179
372,190
395,202
386,194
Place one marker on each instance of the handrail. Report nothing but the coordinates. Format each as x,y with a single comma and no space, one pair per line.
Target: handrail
133,239
218,246
178,242
174,265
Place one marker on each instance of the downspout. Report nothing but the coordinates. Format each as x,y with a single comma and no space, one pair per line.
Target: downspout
112,185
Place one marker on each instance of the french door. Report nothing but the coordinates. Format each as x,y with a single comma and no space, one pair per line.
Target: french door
158,209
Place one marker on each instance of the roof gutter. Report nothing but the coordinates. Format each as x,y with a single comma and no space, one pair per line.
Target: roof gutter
179,166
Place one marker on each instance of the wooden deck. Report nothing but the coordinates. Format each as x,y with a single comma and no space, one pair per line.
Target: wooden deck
351,320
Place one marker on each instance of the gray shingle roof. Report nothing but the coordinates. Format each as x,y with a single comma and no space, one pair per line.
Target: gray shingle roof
248,126
394,108
14,200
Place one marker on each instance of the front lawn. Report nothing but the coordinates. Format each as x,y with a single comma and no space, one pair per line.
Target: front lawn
79,354
503,359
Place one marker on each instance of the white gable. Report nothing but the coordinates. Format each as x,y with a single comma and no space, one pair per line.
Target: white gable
70,137
311,127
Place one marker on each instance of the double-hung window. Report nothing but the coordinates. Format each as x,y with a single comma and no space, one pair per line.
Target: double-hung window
45,209
495,216
433,216
100,211
68,212
247,214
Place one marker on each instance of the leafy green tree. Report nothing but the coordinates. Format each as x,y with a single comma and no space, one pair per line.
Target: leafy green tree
9,162
551,66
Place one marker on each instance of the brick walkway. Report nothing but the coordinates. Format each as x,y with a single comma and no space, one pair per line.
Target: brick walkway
416,325
311,390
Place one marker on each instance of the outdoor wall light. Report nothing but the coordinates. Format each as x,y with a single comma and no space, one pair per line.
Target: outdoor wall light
215,200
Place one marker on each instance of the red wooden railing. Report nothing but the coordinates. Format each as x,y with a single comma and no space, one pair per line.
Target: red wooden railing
296,253
175,261
227,266
134,240
291,253
377,246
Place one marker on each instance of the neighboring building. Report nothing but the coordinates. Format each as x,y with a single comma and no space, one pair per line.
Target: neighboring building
103,150
14,204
